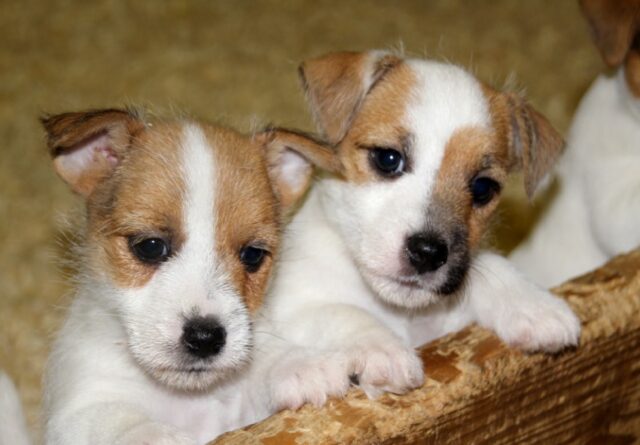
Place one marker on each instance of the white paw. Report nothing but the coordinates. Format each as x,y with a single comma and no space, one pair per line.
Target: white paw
543,322
308,376
384,364
152,433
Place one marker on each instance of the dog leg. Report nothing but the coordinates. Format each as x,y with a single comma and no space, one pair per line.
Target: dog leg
521,313
336,346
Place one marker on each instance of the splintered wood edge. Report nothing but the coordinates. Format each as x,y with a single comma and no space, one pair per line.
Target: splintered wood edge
478,390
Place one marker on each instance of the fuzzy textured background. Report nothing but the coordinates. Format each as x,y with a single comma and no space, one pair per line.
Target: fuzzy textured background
230,61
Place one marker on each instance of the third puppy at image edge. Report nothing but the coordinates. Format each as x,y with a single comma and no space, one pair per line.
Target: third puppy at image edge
384,255
595,212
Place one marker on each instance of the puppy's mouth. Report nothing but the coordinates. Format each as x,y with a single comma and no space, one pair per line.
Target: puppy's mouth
194,370
412,282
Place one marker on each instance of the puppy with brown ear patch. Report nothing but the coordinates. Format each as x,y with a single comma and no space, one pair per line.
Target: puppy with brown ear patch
596,211
183,225
384,256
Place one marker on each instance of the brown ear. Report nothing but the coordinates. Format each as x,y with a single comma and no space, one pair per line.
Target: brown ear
615,25
335,85
534,145
87,146
290,160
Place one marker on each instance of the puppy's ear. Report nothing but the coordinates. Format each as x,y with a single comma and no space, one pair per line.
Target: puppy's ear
533,144
336,84
87,146
614,24
291,157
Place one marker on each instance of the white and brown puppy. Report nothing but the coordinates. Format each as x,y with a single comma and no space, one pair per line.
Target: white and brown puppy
383,256
183,224
596,211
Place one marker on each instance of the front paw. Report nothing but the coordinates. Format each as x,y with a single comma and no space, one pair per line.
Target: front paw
543,322
152,433
385,364
307,376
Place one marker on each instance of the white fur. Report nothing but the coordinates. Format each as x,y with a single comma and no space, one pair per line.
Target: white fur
596,213
102,384
337,307
13,426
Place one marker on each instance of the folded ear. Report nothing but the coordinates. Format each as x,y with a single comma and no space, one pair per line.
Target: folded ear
534,145
335,85
615,25
291,157
87,146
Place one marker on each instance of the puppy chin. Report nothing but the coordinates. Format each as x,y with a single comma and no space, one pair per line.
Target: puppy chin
177,371
416,291
400,292
197,378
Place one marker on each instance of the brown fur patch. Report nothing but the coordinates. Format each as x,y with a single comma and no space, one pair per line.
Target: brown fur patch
336,84
142,199
246,209
468,152
379,123
614,25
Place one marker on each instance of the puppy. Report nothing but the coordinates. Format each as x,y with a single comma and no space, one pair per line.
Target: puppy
183,225
595,213
384,255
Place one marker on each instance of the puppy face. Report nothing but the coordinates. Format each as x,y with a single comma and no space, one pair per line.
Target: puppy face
425,149
184,222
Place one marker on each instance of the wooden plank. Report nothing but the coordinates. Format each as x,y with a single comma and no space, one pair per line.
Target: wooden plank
479,391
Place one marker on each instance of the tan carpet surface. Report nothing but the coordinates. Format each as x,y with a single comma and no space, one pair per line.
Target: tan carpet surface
231,61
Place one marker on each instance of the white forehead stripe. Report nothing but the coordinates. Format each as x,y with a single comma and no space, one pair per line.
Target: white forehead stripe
445,99
198,170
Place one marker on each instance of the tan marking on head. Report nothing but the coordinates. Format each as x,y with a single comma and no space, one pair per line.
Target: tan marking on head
470,152
247,211
142,199
336,84
379,123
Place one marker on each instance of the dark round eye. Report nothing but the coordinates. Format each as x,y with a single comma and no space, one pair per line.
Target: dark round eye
252,257
150,250
483,190
387,161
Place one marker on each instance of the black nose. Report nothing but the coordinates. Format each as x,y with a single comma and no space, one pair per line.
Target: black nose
426,252
203,336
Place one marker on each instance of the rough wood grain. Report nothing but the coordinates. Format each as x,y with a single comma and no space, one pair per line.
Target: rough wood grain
479,391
